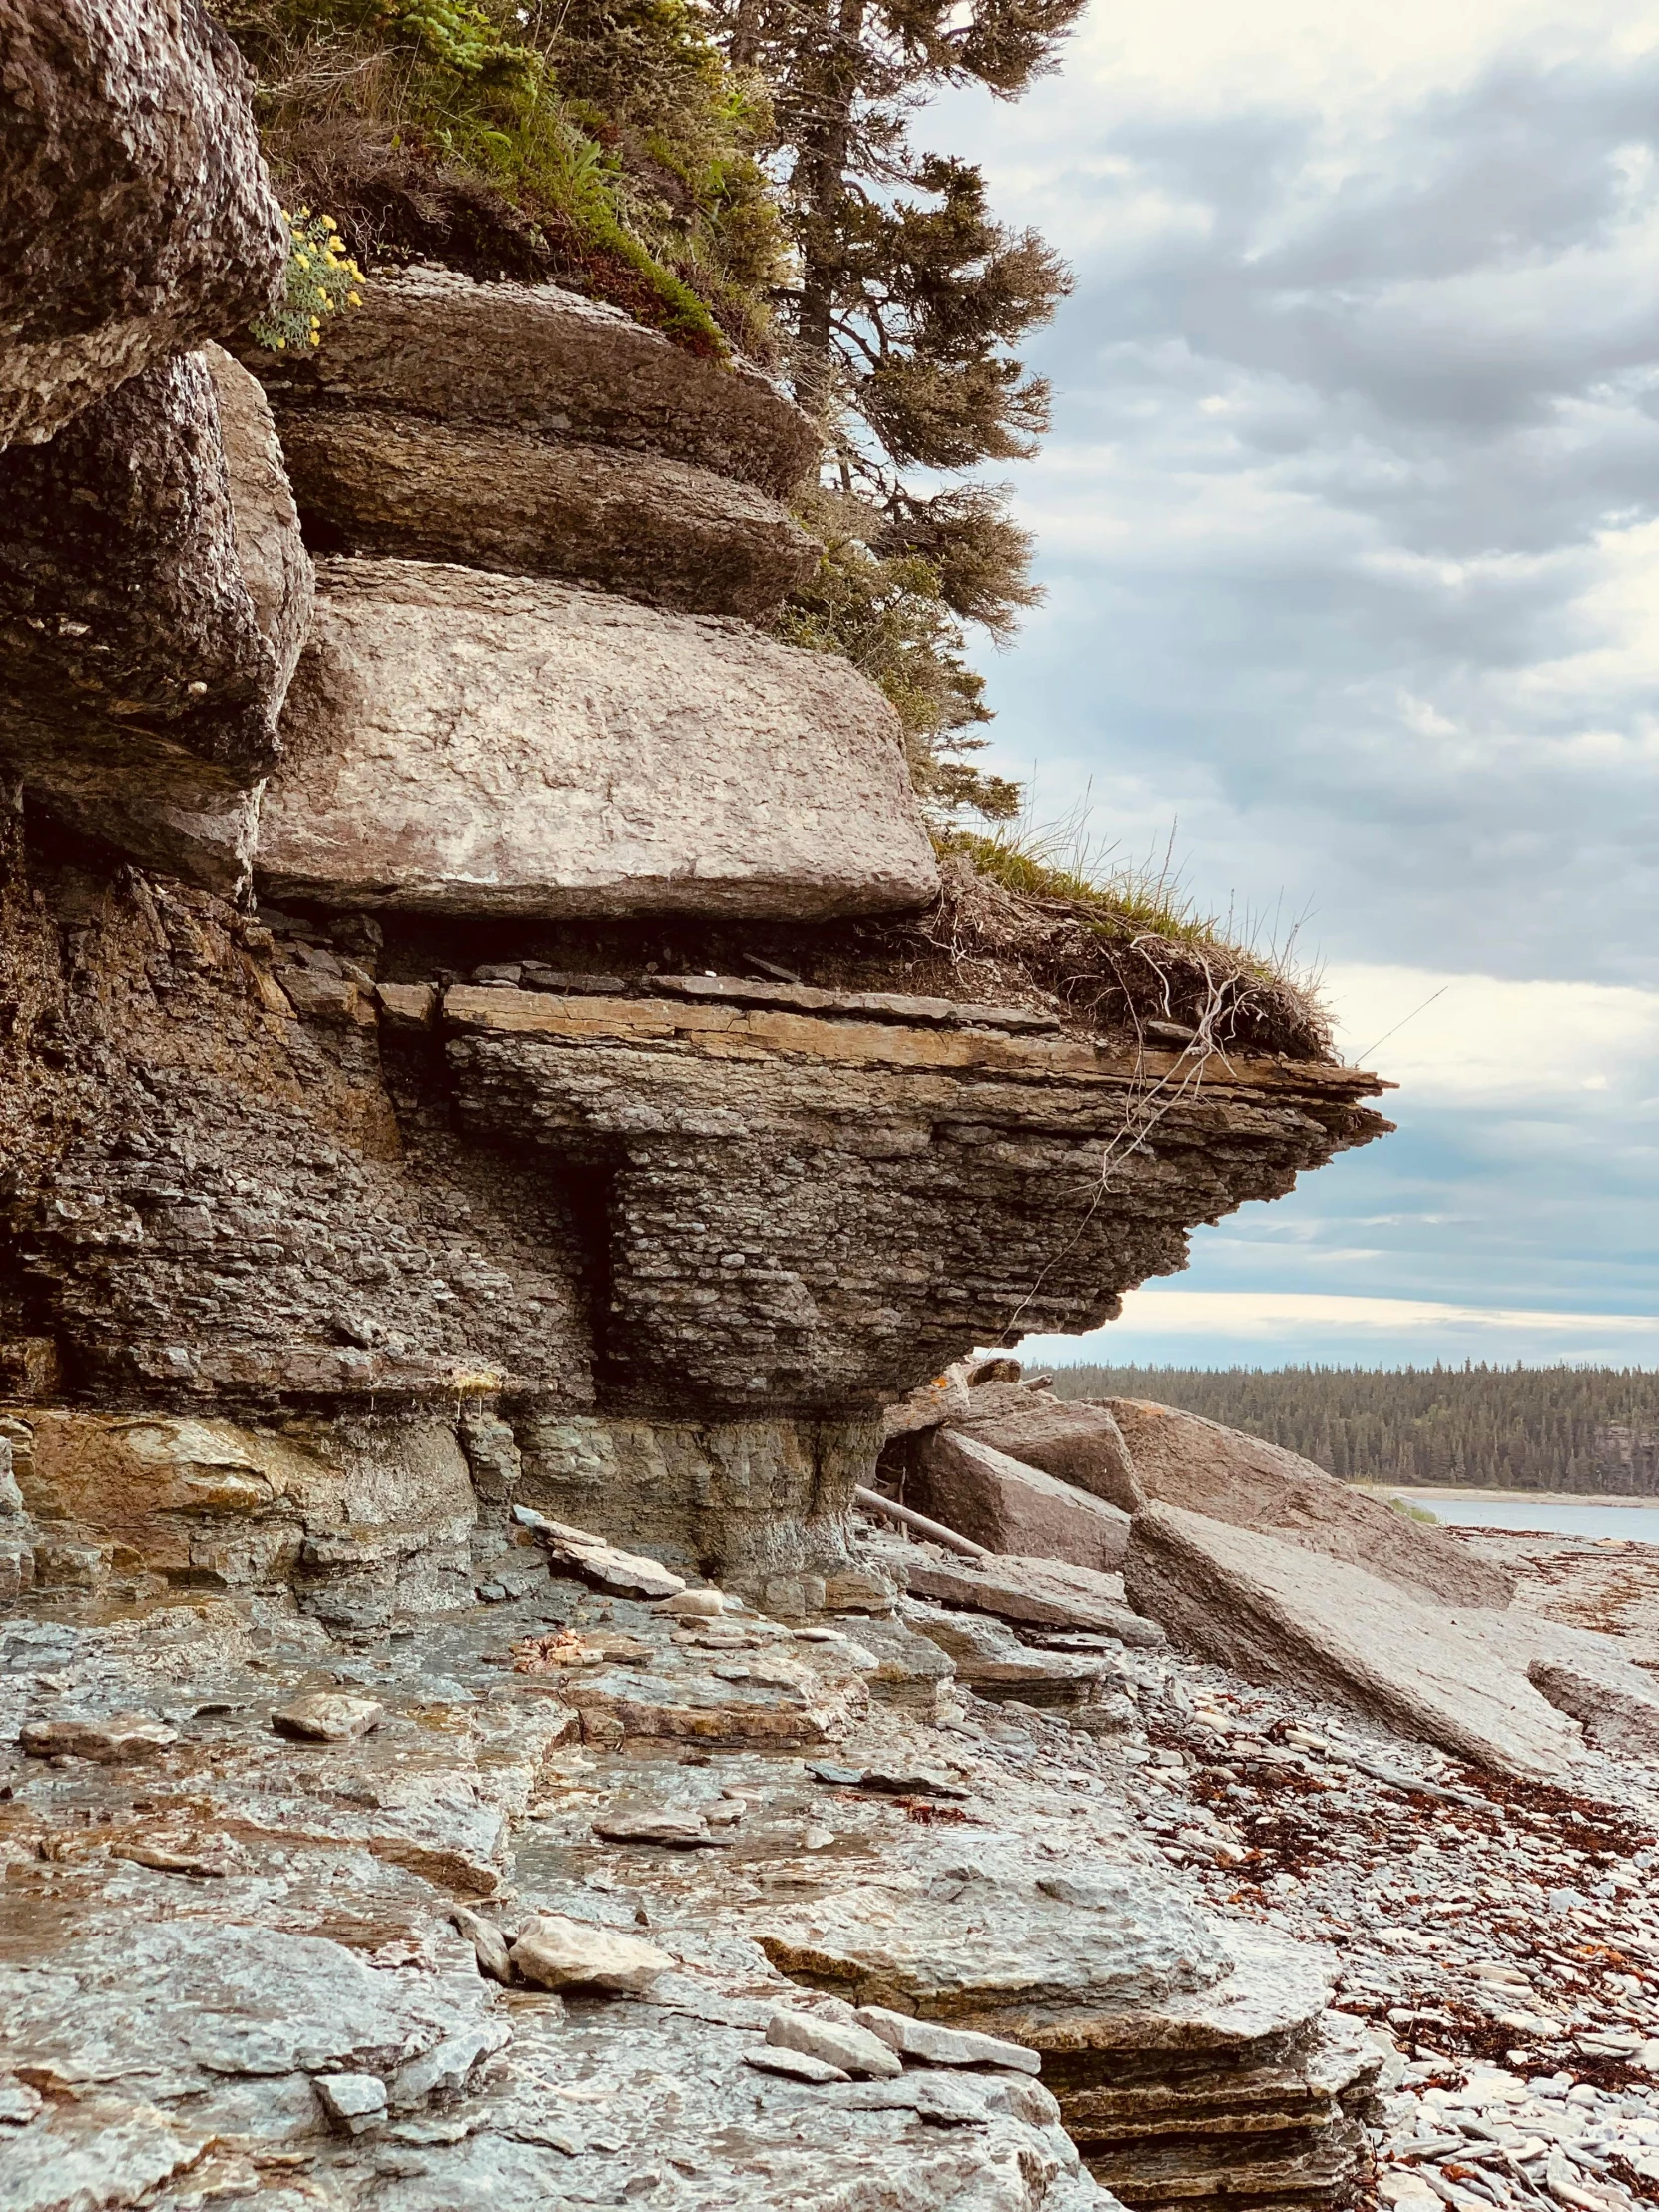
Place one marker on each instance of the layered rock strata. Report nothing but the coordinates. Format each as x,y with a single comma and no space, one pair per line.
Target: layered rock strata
637,523
518,427
352,1314
803,1210
136,207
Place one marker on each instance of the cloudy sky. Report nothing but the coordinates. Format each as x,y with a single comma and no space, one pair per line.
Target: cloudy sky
1351,530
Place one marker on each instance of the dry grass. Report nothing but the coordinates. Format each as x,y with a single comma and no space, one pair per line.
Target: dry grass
1123,946
1120,949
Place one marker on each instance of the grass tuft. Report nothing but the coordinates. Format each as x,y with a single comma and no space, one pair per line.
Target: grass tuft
1062,864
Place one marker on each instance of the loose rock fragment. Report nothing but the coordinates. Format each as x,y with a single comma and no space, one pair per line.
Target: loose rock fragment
945,2046
112,1741
623,1573
328,1717
696,1605
656,1824
488,1943
855,2049
353,2101
555,1952
891,1784
798,2065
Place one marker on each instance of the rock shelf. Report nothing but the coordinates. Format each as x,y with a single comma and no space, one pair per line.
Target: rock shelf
257,1955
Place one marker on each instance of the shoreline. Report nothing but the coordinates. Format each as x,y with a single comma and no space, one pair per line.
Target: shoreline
1427,1492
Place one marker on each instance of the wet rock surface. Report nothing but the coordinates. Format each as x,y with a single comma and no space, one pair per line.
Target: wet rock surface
250,1968
532,1932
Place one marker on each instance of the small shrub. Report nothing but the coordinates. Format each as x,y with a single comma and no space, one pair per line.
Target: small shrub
1412,1512
323,279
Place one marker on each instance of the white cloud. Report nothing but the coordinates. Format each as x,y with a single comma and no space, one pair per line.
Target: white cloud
1486,1039
1350,526
1258,1327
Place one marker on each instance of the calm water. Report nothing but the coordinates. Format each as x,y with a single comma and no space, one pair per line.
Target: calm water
1623,1518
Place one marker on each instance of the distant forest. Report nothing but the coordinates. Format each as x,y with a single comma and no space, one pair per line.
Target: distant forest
1594,1430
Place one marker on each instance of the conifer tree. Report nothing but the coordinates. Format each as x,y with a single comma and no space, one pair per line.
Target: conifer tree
909,302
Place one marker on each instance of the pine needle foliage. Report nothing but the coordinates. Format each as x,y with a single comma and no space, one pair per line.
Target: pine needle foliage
906,306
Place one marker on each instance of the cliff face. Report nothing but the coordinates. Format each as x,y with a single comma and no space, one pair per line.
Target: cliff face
482,1031
324,1162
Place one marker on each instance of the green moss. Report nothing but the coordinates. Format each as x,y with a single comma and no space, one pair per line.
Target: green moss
602,142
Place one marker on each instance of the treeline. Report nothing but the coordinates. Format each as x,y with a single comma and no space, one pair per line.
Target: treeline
1592,1430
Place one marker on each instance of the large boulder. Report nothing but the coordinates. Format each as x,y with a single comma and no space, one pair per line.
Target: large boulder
983,1494
653,529
1281,1613
537,359
476,743
1077,1441
138,214
1201,1467
154,594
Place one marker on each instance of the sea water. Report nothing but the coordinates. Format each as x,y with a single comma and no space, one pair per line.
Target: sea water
1625,1517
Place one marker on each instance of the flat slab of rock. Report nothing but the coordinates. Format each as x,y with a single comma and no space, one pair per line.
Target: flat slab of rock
354,2102
479,744
1279,1613
958,1936
650,528
542,360
623,1573
1201,1467
1589,1676
983,1494
112,1740
328,1717
677,1826
947,2046
991,1660
853,2049
793,2065
1040,1593
808,998
140,216
620,1703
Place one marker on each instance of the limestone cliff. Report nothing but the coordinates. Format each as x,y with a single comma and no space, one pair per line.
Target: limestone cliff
485,1044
